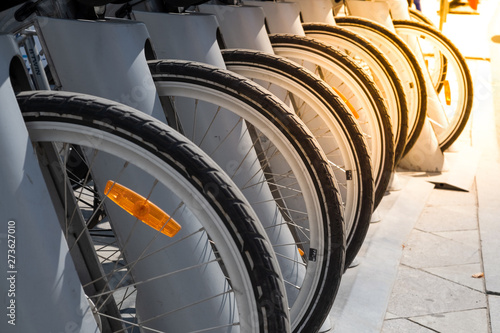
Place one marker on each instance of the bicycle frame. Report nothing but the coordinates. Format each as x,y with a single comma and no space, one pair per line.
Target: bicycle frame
29,217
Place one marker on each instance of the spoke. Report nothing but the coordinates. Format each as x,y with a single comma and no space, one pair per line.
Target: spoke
283,197
343,184
249,152
142,255
221,142
190,305
298,107
291,284
195,117
120,304
135,284
302,263
219,108
128,323
337,167
334,151
130,265
303,230
99,206
216,328
308,121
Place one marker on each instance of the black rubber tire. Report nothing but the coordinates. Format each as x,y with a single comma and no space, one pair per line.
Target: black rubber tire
225,83
306,44
396,41
149,134
276,66
458,59
383,66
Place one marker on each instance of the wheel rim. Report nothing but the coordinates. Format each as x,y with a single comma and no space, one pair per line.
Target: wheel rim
109,251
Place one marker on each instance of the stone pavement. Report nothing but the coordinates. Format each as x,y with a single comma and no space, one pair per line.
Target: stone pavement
417,266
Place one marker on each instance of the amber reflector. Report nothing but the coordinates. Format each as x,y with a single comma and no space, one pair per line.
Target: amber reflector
447,92
349,105
141,208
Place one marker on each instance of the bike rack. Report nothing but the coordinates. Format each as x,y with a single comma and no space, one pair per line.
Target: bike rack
55,300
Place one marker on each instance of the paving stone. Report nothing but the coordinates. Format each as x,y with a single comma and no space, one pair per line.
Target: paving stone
403,325
424,249
468,238
461,274
446,218
489,212
494,303
456,322
462,165
450,197
361,302
418,293
389,315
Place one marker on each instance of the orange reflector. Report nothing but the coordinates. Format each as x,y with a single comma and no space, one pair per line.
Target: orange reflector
141,208
301,252
349,105
447,92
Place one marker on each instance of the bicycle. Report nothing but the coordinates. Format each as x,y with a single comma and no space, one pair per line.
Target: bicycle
67,129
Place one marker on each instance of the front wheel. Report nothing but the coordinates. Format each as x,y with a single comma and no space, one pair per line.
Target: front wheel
338,71
330,121
279,167
219,270
449,74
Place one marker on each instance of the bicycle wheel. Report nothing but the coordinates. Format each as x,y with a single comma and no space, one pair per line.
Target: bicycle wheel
379,68
406,65
279,167
218,272
332,124
448,70
348,78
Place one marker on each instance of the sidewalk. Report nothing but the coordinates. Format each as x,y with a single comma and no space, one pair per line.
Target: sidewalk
417,265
